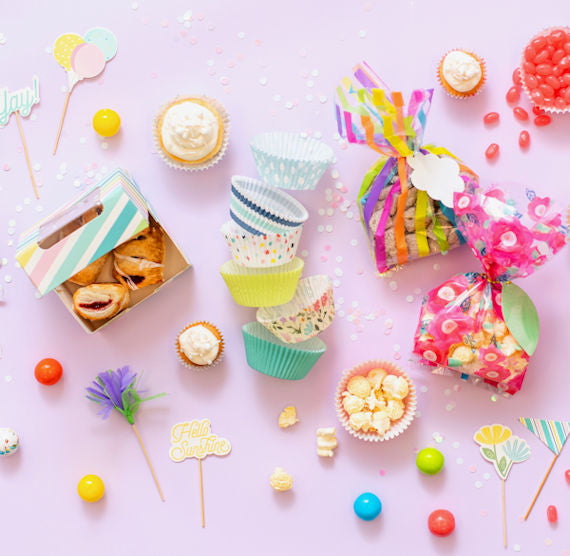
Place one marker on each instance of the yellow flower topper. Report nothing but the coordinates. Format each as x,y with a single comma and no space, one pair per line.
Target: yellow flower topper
492,435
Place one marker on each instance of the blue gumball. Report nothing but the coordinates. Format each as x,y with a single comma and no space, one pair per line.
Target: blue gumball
367,506
104,39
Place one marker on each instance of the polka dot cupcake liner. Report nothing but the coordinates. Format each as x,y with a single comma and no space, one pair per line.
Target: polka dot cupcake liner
397,427
261,251
290,160
447,88
185,361
189,167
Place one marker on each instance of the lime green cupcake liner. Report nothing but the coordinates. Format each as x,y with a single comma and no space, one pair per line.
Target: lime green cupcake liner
262,287
269,355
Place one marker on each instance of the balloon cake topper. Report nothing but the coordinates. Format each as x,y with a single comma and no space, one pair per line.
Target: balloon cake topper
20,103
82,58
195,439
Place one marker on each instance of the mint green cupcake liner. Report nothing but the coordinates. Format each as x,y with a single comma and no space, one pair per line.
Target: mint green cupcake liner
290,160
269,355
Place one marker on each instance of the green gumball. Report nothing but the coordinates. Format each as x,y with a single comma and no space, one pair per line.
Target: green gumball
430,461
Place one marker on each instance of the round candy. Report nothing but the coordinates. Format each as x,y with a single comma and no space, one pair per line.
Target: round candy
491,118
91,488
567,475
9,442
367,506
48,371
520,113
430,461
441,522
552,514
524,139
493,149
106,122
513,94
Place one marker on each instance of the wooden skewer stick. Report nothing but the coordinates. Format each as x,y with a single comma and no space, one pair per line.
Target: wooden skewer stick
202,493
504,515
148,461
61,121
27,154
540,487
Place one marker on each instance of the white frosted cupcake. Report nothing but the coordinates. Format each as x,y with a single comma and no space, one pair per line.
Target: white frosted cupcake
461,73
199,345
191,133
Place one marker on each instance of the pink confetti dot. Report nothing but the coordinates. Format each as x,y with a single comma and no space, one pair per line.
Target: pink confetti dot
6,167
231,64
239,57
257,42
183,33
472,469
327,247
382,472
387,332
164,24
343,146
323,259
397,355
211,27
344,189
200,17
153,75
334,205
484,513
360,271
224,80
193,40
219,50
145,20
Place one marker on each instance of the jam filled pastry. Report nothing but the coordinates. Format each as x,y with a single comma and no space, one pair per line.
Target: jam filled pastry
90,273
139,261
100,301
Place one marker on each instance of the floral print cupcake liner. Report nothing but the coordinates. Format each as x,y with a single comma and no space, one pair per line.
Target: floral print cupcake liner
309,312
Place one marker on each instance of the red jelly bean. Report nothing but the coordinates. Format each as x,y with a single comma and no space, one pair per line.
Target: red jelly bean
544,69
542,120
537,111
554,82
557,70
558,55
567,475
548,101
491,118
567,47
567,95
530,52
520,113
541,57
550,49
493,150
565,78
538,43
556,37
560,103
517,77
546,90
564,63
552,514
524,139
513,94
528,67
531,81
537,97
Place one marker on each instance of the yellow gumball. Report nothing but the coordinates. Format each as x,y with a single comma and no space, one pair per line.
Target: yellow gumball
106,122
91,488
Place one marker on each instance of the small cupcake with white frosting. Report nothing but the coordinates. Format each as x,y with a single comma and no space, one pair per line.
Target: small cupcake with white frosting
199,345
191,133
462,74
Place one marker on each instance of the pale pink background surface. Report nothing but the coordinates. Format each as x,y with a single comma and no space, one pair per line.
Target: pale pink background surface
61,437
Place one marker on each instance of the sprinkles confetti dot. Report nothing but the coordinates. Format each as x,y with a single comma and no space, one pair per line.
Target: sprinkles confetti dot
423,389
459,461
393,285
472,469
362,34
409,298
478,484
517,547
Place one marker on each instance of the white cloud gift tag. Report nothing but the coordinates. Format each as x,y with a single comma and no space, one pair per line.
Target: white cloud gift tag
438,177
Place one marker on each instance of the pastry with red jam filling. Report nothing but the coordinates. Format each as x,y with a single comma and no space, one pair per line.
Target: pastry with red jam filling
100,301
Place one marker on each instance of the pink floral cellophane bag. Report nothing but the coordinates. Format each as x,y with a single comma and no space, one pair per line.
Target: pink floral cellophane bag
480,326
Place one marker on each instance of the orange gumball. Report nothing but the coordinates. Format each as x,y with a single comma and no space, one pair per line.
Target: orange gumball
48,371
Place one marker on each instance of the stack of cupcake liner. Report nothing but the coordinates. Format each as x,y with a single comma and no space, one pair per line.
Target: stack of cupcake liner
263,236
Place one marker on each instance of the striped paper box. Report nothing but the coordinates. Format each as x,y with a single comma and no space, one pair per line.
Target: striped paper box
124,214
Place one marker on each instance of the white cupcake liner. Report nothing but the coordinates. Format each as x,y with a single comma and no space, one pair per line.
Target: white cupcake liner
191,365
252,199
290,160
189,167
549,109
256,223
299,319
261,251
397,427
460,96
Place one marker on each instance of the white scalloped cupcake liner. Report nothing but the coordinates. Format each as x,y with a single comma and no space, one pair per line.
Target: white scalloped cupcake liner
397,427
193,366
458,95
261,251
189,167
300,312
290,160
548,109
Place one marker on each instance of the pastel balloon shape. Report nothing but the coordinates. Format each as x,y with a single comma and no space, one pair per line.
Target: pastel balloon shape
87,61
104,39
63,48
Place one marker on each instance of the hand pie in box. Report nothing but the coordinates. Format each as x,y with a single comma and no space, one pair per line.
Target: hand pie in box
102,253
406,197
480,326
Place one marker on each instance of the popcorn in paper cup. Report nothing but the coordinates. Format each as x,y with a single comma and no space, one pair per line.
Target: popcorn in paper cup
375,401
191,133
267,354
290,160
262,287
256,251
309,312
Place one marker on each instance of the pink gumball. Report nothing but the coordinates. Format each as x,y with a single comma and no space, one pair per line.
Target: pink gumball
87,60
